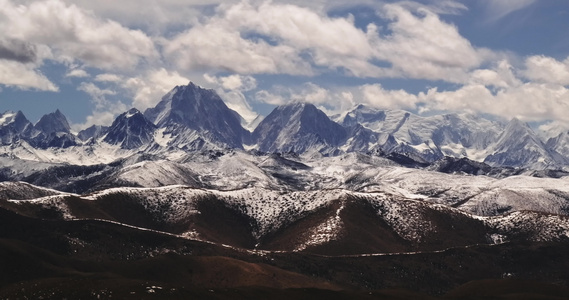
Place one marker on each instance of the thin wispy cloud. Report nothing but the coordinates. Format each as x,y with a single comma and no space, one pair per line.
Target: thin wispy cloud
497,9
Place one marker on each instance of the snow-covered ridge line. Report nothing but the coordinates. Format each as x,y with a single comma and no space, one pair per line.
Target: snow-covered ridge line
11,185
478,195
181,236
270,209
262,213
95,195
268,252
408,252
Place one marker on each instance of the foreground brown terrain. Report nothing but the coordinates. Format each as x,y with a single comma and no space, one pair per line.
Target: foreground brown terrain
45,259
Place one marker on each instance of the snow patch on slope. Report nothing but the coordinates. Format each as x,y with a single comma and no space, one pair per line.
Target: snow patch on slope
329,230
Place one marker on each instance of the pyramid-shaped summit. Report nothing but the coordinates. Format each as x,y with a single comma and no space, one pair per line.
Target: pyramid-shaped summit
53,131
201,110
130,130
518,145
52,123
297,127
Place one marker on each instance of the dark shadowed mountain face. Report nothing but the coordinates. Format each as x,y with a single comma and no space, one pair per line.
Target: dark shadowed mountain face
298,127
53,122
56,140
53,131
201,110
94,132
130,130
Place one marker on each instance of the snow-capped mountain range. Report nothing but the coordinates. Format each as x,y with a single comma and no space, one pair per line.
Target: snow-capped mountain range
367,183
190,118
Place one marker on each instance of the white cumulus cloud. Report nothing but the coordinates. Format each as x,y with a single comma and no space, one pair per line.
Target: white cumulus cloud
547,69
148,89
77,73
73,34
331,101
24,76
233,82
502,76
375,95
274,38
230,89
529,101
108,77
420,45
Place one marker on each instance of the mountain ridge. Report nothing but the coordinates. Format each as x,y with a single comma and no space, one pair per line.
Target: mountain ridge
190,118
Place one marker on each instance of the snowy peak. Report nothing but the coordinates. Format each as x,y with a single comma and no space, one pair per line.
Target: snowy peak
519,146
362,114
130,130
517,127
297,127
133,112
13,126
15,120
378,120
52,123
7,118
560,143
516,133
201,110
52,130
428,138
462,135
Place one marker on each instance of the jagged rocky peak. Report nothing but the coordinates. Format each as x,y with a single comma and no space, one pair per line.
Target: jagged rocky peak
133,112
7,117
13,127
201,110
297,127
560,143
430,137
130,130
182,105
95,131
15,120
53,131
52,123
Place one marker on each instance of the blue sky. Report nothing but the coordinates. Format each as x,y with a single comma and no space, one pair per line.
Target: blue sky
96,59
